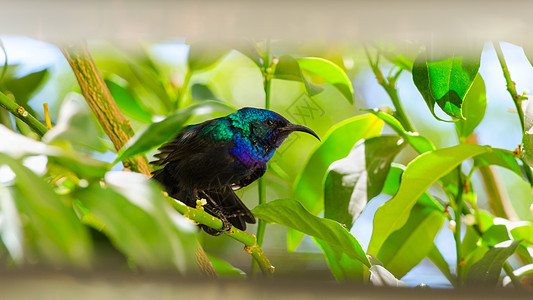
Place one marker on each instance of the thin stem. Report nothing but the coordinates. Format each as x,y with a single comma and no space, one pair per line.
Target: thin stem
261,224
249,240
511,86
19,112
509,271
390,88
183,89
266,74
457,233
517,100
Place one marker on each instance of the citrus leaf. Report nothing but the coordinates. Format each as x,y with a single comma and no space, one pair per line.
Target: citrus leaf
405,248
487,270
292,214
330,73
288,68
337,143
225,269
474,106
419,143
138,220
445,81
52,231
498,157
343,267
204,55
352,181
128,102
523,232
419,175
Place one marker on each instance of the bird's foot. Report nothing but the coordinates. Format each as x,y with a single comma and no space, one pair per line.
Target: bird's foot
226,225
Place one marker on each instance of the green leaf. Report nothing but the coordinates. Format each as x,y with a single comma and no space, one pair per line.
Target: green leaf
352,181
392,184
419,175
523,232
498,157
330,73
474,105
249,49
418,142
158,133
292,214
139,222
148,79
495,235
405,248
288,68
445,81
225,269
487,270
204,55
77,125
343,267
337,143
202,92
17,146
81,165
128,102
24,87
52,232
379,154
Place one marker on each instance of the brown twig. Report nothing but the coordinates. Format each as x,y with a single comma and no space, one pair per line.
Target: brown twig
97,95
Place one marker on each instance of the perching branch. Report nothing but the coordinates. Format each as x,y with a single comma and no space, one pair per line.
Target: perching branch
249,240
19,112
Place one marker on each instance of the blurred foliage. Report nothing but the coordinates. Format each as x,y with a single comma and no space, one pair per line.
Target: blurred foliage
61,202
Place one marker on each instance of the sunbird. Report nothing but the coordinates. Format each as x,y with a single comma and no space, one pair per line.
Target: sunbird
213,159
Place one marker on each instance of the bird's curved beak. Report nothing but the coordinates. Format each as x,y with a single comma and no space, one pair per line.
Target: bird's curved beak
295,127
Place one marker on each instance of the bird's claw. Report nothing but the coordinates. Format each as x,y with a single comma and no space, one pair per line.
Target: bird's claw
226,225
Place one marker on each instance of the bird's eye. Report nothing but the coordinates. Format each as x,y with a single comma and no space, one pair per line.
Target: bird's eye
270,122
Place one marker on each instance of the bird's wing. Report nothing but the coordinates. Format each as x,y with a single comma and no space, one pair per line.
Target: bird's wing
185,142
194,160
245,181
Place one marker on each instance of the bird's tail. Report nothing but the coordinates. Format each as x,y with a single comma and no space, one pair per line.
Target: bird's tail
168,182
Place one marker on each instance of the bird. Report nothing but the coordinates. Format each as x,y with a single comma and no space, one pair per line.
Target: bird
209,161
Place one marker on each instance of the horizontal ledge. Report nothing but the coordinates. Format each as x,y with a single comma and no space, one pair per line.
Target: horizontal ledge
292,20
